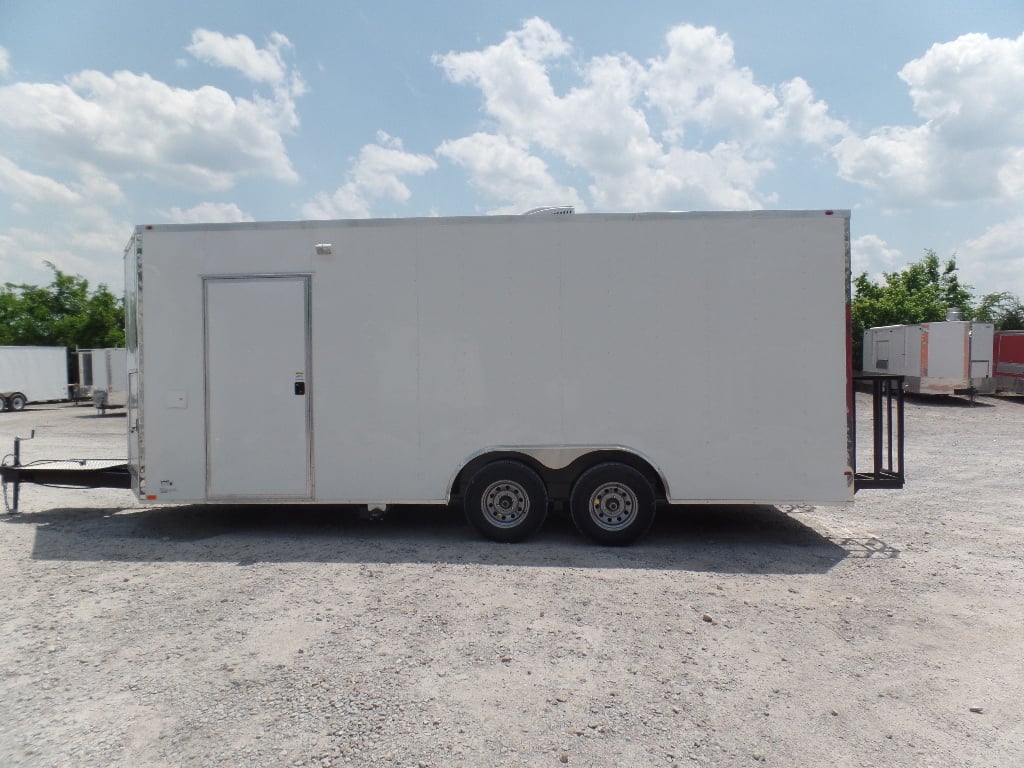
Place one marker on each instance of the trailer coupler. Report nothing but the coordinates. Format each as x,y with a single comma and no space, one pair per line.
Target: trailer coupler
60,473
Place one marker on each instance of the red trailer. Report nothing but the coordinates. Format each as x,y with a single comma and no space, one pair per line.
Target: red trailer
1008,354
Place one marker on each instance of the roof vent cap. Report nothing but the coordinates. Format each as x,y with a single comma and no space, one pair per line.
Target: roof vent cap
551,210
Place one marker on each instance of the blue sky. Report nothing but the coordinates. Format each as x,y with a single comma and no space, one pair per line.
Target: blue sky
114,114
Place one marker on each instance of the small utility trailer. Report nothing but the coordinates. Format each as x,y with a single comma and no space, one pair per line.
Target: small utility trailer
32,374
941,358
606,362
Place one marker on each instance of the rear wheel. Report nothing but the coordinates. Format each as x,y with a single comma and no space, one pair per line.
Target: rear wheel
3,403
17,401
612,504
506,501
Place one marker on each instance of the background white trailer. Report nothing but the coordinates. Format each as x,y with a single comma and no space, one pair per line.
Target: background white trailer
32,374
409,361
103,375
941,358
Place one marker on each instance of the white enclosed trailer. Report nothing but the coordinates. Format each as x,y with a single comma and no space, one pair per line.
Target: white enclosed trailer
940,358
607,360
32,374
103,375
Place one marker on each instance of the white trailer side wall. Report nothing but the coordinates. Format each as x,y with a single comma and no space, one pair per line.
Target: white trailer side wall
712,344
39,373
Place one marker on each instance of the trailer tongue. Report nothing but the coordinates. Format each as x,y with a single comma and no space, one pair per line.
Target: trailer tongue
64,473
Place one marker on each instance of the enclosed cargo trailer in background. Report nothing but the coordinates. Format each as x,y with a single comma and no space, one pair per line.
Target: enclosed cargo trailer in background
941,358
103,375
32,374
1008,352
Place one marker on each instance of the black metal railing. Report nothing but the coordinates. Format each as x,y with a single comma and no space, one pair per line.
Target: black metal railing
887,436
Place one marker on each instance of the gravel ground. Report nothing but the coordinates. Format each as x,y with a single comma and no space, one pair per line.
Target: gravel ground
888,632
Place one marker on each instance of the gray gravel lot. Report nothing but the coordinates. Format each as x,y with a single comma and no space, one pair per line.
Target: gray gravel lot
888,632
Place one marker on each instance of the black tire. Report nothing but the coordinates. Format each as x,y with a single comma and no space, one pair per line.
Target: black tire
612,504
17,402
506,501
3,403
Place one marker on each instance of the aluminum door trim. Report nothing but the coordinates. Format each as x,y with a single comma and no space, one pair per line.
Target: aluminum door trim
306,279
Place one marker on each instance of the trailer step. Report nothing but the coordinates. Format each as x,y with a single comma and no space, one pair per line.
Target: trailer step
887,434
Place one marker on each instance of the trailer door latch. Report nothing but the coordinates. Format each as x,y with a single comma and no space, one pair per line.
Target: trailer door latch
300,387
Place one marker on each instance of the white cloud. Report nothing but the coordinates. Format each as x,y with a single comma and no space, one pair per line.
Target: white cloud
24,185
513,78
698,83
263,65
84,240
995,259
873,255
718,124
5,62
128,125
969,145
94,131
96,188
505,170
97,237
375,175
207,213
799,116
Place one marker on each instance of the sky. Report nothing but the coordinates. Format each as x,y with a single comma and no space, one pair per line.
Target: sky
113,114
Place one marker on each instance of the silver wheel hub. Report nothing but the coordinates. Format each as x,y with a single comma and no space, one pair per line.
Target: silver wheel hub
613,506
505,503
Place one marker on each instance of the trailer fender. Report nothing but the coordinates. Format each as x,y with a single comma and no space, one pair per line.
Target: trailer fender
564,463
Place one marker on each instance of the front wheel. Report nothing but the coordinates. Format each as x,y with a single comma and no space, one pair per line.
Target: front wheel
612,504
506,501
17,402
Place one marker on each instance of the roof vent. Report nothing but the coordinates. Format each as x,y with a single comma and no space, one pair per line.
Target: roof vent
551,210
953,314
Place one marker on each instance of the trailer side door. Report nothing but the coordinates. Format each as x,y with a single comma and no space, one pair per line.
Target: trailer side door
258,409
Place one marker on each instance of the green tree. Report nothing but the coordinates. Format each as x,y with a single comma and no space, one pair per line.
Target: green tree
64,314
1003,309
920,293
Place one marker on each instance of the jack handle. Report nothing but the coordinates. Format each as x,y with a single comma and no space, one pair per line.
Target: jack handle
13,509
